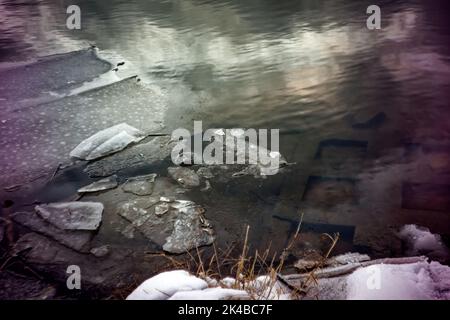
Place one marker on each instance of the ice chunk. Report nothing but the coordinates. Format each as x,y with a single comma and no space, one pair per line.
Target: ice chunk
161,208
137,210
166,284
141,185
107,141
176,225
49,257
157,149
100,185
184,176
77,239
190,229
252,154
56,73
72,215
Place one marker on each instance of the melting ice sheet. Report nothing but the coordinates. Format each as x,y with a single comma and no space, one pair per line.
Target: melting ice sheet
40,137
49,76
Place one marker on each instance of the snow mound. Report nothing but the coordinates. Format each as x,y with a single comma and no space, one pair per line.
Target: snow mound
265,288
394,280
180,285
420,240
107,141
166,284
416,281
210,294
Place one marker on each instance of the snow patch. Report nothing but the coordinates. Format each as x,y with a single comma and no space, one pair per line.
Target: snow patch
180,285
166,284
420,241
416,281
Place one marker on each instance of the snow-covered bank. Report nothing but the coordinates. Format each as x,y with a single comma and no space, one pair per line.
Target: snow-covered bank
381,281
350,276
416,281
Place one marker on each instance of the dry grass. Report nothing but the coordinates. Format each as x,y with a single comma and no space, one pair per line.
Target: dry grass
247,269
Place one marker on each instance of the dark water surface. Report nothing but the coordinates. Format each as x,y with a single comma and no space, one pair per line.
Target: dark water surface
363,114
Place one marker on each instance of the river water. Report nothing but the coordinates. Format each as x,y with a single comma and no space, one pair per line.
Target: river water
363,113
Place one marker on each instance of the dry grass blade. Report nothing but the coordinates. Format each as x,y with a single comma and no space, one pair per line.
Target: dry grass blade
241,262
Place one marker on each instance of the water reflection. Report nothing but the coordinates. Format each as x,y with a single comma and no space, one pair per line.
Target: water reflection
310,68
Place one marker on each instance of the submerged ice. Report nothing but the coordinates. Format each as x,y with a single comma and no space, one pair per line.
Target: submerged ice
176,225
72,215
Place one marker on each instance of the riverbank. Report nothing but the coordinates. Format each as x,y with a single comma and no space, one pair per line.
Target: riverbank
387,279
123,212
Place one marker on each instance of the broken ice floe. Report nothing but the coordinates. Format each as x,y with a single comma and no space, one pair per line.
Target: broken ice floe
56,74
72,215
162,208
107,141
263,161
190,229
53,258
76,239
100,185
231,148
157,149
140,185
176,225
184,176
